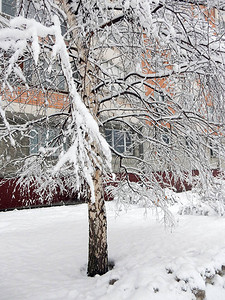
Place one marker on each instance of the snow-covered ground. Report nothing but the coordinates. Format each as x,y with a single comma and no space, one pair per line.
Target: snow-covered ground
43,255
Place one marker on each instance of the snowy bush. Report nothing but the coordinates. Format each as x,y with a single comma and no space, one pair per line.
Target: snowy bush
207,202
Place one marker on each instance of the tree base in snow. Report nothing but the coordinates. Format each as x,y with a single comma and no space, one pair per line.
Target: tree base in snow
97,266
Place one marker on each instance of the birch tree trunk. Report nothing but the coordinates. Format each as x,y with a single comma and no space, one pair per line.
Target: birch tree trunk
98,252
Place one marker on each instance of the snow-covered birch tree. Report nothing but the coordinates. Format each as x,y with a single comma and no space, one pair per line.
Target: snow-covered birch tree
148,75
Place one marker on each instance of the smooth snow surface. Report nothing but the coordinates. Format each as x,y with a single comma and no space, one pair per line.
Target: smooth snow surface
43,255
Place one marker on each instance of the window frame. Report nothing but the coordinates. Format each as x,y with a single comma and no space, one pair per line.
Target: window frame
127,146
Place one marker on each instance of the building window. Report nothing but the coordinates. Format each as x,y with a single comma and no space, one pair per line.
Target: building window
213,150
163,135
119,140
42,138
165,138
8,7
189,142
41,75
159,96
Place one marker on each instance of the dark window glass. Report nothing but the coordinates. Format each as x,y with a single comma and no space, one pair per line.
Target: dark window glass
213,151
54,79
108,136
9,7
42,138
128,143
119,141
165,138
64,28
33,142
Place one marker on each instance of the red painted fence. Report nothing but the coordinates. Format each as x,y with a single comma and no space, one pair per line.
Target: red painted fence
11,196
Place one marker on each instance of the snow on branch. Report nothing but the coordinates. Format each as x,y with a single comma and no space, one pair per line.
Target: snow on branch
24,34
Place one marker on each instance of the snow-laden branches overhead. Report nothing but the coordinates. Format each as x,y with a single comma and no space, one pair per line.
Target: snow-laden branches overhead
26,35
149,73
171,51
